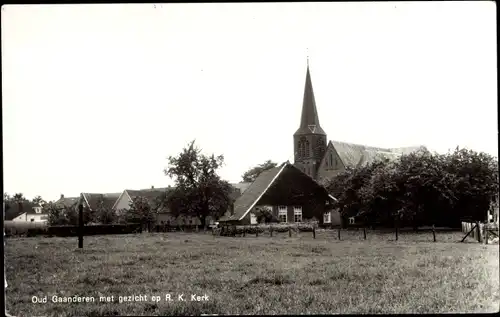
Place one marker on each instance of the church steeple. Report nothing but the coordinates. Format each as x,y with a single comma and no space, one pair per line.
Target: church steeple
309,121
309,141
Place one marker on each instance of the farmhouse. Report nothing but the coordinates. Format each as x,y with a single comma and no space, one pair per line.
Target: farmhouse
290,195
321,160
25,212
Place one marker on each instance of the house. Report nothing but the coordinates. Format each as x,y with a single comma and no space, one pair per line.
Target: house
323,160
164,216
152,195
288,193
67,201
25,212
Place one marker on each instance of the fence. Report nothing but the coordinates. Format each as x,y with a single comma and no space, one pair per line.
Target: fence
482,231
312,229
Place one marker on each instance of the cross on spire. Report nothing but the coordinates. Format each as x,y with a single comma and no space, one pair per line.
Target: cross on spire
307,50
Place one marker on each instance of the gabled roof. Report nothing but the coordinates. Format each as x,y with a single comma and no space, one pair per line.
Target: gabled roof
93,199
67,201
253,193
257,189
150,194
15,209
355,155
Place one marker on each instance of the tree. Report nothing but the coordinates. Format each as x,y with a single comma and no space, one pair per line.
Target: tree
420,188
61,214
141,211
199,191
19,198
250,175
103,214
56,214
38,200
264,215
474,182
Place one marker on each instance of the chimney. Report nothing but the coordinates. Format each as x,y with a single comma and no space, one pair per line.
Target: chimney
62,196
152,187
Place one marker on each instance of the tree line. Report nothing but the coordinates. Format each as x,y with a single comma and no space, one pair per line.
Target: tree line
419,189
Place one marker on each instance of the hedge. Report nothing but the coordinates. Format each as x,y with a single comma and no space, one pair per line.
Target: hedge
72,231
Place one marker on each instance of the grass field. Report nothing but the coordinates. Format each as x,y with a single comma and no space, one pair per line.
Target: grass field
249,275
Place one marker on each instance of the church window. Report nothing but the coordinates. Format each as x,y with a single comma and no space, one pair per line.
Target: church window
306,145
302,147
331,160
319,149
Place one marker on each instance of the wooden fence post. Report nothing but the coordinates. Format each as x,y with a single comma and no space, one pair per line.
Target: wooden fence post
397,230
364,233
271,231
289,232
256,231
485,233
314,233
339,234
478,232
244,231
433,233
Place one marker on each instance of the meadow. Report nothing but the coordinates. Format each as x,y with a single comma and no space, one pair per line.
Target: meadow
252,275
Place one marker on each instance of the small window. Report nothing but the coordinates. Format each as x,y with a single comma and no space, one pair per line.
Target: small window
32,220
327,217
297,213
351,220
282,213
253,219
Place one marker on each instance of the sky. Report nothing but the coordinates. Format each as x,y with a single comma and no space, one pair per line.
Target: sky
96,97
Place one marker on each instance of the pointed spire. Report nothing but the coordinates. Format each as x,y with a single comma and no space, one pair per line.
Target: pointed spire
309,121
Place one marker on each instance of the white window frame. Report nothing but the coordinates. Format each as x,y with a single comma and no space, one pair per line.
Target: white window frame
253,219
327,217
351,220
297,211
283,211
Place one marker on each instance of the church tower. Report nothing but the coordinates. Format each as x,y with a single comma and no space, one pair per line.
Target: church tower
309,141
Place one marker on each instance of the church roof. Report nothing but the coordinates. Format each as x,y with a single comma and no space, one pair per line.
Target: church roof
355,155
309,121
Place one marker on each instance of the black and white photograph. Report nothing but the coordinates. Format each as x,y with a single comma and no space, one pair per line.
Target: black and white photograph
273,158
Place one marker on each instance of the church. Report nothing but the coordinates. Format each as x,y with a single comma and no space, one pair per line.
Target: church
294,193
322,159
